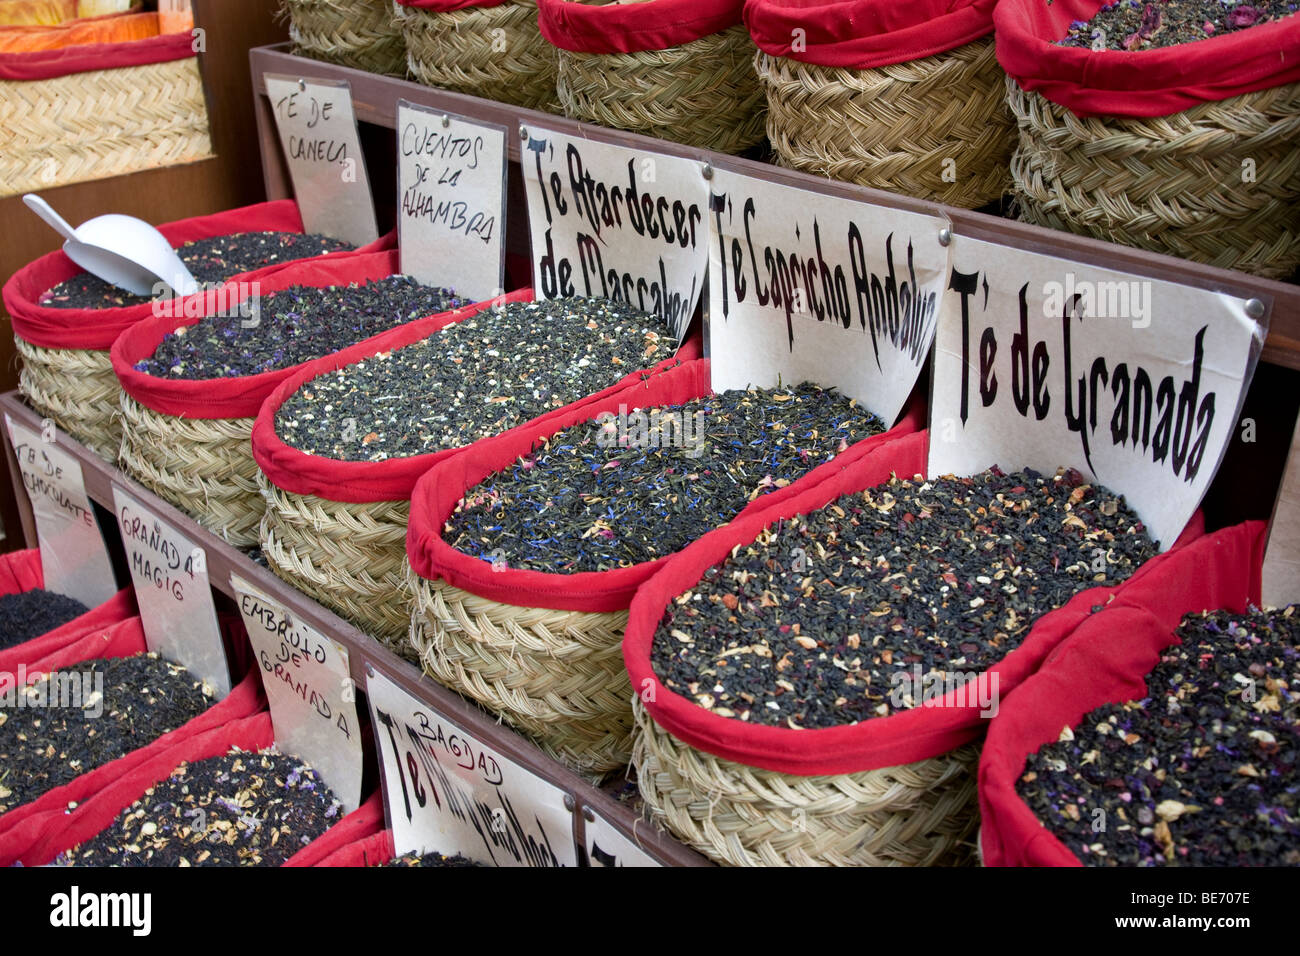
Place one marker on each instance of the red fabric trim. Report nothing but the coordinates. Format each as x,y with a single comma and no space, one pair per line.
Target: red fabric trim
297,472
374,850
436,495
447,6
1106,660
860,34
97,328
242,396
365,821
883,742
95,621
633,27
1143,82
21,571
48,64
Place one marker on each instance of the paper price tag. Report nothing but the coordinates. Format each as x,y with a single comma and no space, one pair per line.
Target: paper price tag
170,574
318,131
606,846
1041,362
451,180
806,287
74,560
620,223
310,690
449,793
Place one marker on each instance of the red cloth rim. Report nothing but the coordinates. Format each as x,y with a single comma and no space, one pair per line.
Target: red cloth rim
21,571
1144,82
633,27
373,850
95,329
901,738
1106,660
360,482
48,64
437,493
862,34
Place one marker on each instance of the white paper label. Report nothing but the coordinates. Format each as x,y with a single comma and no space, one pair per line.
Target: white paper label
170,574
1281,584
448,793
805,287
620,223
318,131
606,846
1041,362
74,560
309,688
451,180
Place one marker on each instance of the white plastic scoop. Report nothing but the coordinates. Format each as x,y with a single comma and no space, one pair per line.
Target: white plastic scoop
122,250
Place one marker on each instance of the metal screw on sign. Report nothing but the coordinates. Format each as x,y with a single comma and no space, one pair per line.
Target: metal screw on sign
523,131
446,120
302,84
568,802
588,814
707,171
945,236
1255,308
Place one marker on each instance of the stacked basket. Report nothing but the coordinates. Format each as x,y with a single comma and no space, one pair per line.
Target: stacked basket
680,70
361,34
905,98
487,48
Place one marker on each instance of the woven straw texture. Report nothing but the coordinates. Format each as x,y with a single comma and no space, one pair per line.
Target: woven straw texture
347,556
918,814
76,388
1218,183
362,34
703,93
204,466
936,128
556,675
101,123
494,52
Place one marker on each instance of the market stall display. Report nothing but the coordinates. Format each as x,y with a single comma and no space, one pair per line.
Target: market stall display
362,34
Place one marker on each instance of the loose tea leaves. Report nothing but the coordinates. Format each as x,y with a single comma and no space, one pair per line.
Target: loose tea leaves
243,809
431,859
80,718
292,326
32,613
1150,24
636,486
211,262
1200,772
474,378
863,607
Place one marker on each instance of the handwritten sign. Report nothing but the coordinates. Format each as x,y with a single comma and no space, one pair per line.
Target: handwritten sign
74,561
620,223
607,846
805,287
1281,584
318,131
449,793
451,177
170,574
1041,362
312,695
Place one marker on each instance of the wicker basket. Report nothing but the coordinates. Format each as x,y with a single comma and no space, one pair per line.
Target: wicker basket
918,814
703,93
204,466
361,34
100,123
78,390
347,556
556,675
494,52
1218,183
936,128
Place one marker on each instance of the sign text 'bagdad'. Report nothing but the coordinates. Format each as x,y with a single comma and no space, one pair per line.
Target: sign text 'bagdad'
1044,363
805,287
618,223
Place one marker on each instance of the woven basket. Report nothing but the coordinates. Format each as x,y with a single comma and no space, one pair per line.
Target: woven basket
494,52
204,466
918,814
361,34
100,123
1218,183
76,388
936,128
556,675
703,93
349,557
